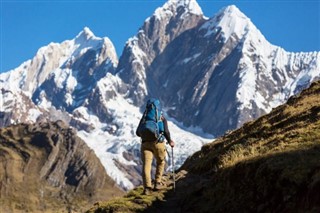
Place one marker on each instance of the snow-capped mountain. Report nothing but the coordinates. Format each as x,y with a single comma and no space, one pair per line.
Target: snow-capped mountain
78,86
217,73
159,30
211,75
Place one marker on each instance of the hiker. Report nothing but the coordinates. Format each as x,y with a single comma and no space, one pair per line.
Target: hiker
153,130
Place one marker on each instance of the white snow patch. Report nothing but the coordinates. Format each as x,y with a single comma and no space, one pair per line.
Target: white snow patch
43,101
33,114
186,60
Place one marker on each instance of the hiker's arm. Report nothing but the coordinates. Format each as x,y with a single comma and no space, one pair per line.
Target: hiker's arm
137,133
166,131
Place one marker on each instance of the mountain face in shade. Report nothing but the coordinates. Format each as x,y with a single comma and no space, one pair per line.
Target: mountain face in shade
210,74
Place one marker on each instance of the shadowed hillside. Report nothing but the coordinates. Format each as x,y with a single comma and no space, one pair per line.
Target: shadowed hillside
269,165
45,167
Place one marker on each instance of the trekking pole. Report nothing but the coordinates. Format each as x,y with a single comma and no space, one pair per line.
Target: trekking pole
172,164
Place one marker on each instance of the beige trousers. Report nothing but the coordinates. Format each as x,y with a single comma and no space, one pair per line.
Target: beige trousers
148,150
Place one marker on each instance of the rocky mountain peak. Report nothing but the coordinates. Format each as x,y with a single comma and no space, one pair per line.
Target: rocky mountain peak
230,22
85,35
233,10
181,7
85,53
165,25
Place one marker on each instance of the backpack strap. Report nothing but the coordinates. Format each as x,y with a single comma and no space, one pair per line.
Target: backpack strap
156,113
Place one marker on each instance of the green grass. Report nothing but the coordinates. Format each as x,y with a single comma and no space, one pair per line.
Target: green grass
133,201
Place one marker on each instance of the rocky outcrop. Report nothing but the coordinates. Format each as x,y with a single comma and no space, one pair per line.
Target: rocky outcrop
45,167
16,107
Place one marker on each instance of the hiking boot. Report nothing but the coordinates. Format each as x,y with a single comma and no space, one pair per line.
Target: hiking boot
159,186
147,191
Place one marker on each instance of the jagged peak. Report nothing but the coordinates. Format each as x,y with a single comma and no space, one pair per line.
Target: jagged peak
232,22
233,10
231,17
85,34
171,6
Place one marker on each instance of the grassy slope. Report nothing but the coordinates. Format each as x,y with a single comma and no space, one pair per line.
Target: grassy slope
271,164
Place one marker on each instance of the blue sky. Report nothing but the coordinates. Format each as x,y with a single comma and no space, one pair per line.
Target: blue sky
28,25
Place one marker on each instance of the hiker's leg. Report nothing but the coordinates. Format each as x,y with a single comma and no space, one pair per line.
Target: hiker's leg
160,154
146,156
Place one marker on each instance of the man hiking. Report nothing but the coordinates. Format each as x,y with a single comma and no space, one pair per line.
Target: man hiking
153,130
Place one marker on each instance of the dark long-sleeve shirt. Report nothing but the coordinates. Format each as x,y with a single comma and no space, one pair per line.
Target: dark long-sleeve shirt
166,129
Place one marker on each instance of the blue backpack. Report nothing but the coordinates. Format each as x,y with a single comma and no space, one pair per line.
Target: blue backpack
151,126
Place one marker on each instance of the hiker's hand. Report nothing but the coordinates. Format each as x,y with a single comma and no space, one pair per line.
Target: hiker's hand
171,143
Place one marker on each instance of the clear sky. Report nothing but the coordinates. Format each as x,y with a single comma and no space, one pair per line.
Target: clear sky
27,25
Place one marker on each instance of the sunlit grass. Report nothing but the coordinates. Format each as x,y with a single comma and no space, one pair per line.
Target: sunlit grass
133,201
